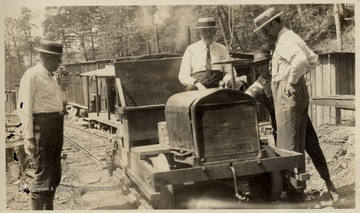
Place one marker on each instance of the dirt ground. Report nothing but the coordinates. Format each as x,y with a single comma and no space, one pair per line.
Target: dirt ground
337,143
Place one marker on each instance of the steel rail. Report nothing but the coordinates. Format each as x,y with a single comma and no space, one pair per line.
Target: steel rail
75,127
92,155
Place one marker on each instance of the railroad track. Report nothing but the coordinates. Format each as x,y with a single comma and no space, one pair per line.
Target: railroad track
94,146
85,130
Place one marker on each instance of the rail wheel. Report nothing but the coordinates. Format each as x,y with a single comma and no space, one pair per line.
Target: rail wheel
160,164
266,187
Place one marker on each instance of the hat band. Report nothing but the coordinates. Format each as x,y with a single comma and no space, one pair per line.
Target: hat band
262,21
52,48
206,24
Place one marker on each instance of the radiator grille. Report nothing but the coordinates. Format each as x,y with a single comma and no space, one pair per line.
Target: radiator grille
227,132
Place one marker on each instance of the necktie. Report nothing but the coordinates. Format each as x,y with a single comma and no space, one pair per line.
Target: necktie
208,60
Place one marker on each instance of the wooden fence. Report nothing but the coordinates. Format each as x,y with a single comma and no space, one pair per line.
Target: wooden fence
332,89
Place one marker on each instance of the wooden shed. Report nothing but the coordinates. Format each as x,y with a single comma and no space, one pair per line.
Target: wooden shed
332,89
77,91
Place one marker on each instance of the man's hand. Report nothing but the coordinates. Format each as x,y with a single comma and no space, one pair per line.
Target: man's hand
65,82
29,146
225,84
294,91
200,86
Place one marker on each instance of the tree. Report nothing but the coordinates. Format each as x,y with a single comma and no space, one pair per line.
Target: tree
338,27
24,23
13,42
57,27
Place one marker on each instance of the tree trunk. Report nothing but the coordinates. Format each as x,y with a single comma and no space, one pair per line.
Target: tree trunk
30,43
18,54
92,44
301,15
338,27
223,32
235,35
82,44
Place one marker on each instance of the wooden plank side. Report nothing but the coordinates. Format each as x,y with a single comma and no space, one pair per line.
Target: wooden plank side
332,80
221,171
352,74
332,115
313,79
319,115
326,82
339,74
345,74
332,90
77,80
341,101
319,90
327,114
347,115
338,77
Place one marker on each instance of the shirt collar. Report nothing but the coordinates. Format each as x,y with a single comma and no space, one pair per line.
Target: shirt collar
281,32
204,45
44,70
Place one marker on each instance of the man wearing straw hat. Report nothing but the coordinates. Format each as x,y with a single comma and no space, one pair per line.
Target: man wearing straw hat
291,60
40,108
197,70
260,90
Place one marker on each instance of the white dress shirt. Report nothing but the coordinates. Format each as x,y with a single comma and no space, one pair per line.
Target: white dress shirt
292,58
194,60
39,92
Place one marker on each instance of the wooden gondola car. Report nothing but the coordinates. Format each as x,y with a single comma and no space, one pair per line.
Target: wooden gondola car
168,137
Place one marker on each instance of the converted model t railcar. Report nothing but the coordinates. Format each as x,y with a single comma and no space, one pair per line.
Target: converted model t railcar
168,137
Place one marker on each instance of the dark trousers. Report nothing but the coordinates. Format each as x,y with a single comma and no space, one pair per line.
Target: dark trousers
209,79
312,146
212,80
48,133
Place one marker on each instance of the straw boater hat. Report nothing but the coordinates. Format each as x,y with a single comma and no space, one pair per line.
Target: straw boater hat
208,22
261,55
50,47
265,18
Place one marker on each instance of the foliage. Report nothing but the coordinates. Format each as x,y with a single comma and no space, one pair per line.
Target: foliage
107,32
19,46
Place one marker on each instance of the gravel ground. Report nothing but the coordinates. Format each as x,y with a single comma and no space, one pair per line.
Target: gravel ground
337,142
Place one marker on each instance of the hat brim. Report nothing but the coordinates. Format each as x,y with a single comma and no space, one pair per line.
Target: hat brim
46,51
268,21
260,60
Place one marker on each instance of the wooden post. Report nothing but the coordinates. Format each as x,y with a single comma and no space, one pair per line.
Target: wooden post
107,98
188,35
148,48
121,92
97,95
88,93
157,47
337,116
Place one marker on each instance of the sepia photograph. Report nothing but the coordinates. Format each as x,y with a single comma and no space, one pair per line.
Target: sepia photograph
178,106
